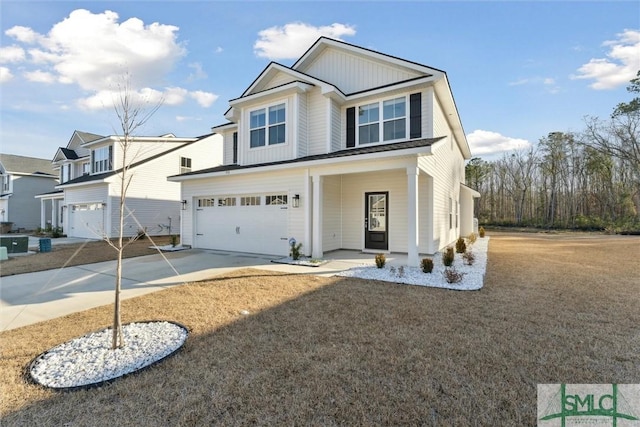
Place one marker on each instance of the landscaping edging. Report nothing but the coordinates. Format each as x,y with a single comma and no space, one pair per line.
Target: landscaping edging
78,355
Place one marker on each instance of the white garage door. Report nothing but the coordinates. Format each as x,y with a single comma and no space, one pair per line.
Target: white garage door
255,224
86,220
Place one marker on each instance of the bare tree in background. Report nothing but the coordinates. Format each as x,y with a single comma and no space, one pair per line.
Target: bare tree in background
132,115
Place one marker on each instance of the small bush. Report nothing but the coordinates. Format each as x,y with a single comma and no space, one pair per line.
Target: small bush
56,232
381,260
451,275
481,232
461,246
448,256
401,271
174,240
472,238
295,251
469,257
142,234
426,265
392,270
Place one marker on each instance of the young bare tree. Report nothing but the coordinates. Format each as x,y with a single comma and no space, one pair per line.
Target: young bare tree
132,115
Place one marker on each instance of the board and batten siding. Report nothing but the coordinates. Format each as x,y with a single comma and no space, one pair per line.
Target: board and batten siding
288,182
353,73
278,80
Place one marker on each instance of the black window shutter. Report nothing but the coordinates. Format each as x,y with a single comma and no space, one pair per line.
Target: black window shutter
111,158
351,127
235,147
415,115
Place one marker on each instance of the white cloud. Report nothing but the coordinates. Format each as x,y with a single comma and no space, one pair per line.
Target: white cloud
219,49
205,99
39,76
5,75
23,34
484,142
620,66
94,51
9,54
198,72
292,40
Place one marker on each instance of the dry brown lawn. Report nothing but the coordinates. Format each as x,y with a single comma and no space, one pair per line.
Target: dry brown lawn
338,351
77,254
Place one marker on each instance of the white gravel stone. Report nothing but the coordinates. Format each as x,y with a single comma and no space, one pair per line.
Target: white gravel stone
89,359
472,280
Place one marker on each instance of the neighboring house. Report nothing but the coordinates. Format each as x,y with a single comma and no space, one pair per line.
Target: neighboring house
88,196
346,149
21,179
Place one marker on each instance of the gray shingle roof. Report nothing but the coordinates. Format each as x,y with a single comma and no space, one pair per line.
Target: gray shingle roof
26,165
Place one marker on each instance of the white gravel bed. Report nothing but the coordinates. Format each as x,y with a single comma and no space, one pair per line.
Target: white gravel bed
89,359
472,280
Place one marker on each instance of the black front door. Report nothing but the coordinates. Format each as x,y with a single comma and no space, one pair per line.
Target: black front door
376,220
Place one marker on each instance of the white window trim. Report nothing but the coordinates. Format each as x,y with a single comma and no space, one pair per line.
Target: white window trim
287,124
108,167
381,121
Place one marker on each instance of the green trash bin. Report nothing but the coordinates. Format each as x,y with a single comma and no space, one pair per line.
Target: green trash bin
45,245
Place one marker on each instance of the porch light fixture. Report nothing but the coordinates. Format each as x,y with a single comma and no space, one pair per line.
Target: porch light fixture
295,202
184,205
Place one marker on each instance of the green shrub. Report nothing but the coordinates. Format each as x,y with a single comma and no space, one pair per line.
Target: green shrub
295,251
426,265
174,240
461,246
56,232
481,232
448,256
381,260
451,275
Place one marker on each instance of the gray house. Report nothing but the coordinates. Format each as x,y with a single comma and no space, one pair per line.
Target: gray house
22,178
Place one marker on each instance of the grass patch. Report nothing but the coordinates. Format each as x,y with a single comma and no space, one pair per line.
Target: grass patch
328,351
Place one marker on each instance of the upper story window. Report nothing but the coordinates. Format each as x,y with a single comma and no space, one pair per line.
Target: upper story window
86,168
390,127
185,164
65,172
267,126
6,183
102,159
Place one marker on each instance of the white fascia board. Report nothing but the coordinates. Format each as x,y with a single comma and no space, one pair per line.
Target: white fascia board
226,126
118,138
385,89
293,87
443,92
384,155
81,184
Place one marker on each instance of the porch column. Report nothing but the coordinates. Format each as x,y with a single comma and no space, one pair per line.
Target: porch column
43,215
413,240
316,235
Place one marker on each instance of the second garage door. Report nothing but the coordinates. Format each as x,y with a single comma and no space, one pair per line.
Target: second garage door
250,223
86,220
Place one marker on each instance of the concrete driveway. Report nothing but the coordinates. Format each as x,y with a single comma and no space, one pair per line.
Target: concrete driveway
34,297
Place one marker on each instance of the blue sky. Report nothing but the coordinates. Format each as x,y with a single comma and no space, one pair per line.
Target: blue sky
518,70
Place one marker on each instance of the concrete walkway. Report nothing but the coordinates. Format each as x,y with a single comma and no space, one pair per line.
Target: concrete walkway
34,297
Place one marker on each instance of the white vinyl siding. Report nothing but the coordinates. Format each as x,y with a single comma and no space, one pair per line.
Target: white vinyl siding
228,147
354,73
336,127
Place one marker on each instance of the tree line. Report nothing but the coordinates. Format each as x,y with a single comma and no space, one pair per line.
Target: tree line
578,180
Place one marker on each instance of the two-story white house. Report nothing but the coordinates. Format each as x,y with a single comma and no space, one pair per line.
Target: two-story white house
86,202
21,178
347,149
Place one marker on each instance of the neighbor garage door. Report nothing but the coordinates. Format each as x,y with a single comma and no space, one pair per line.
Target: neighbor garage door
250,223
86,220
